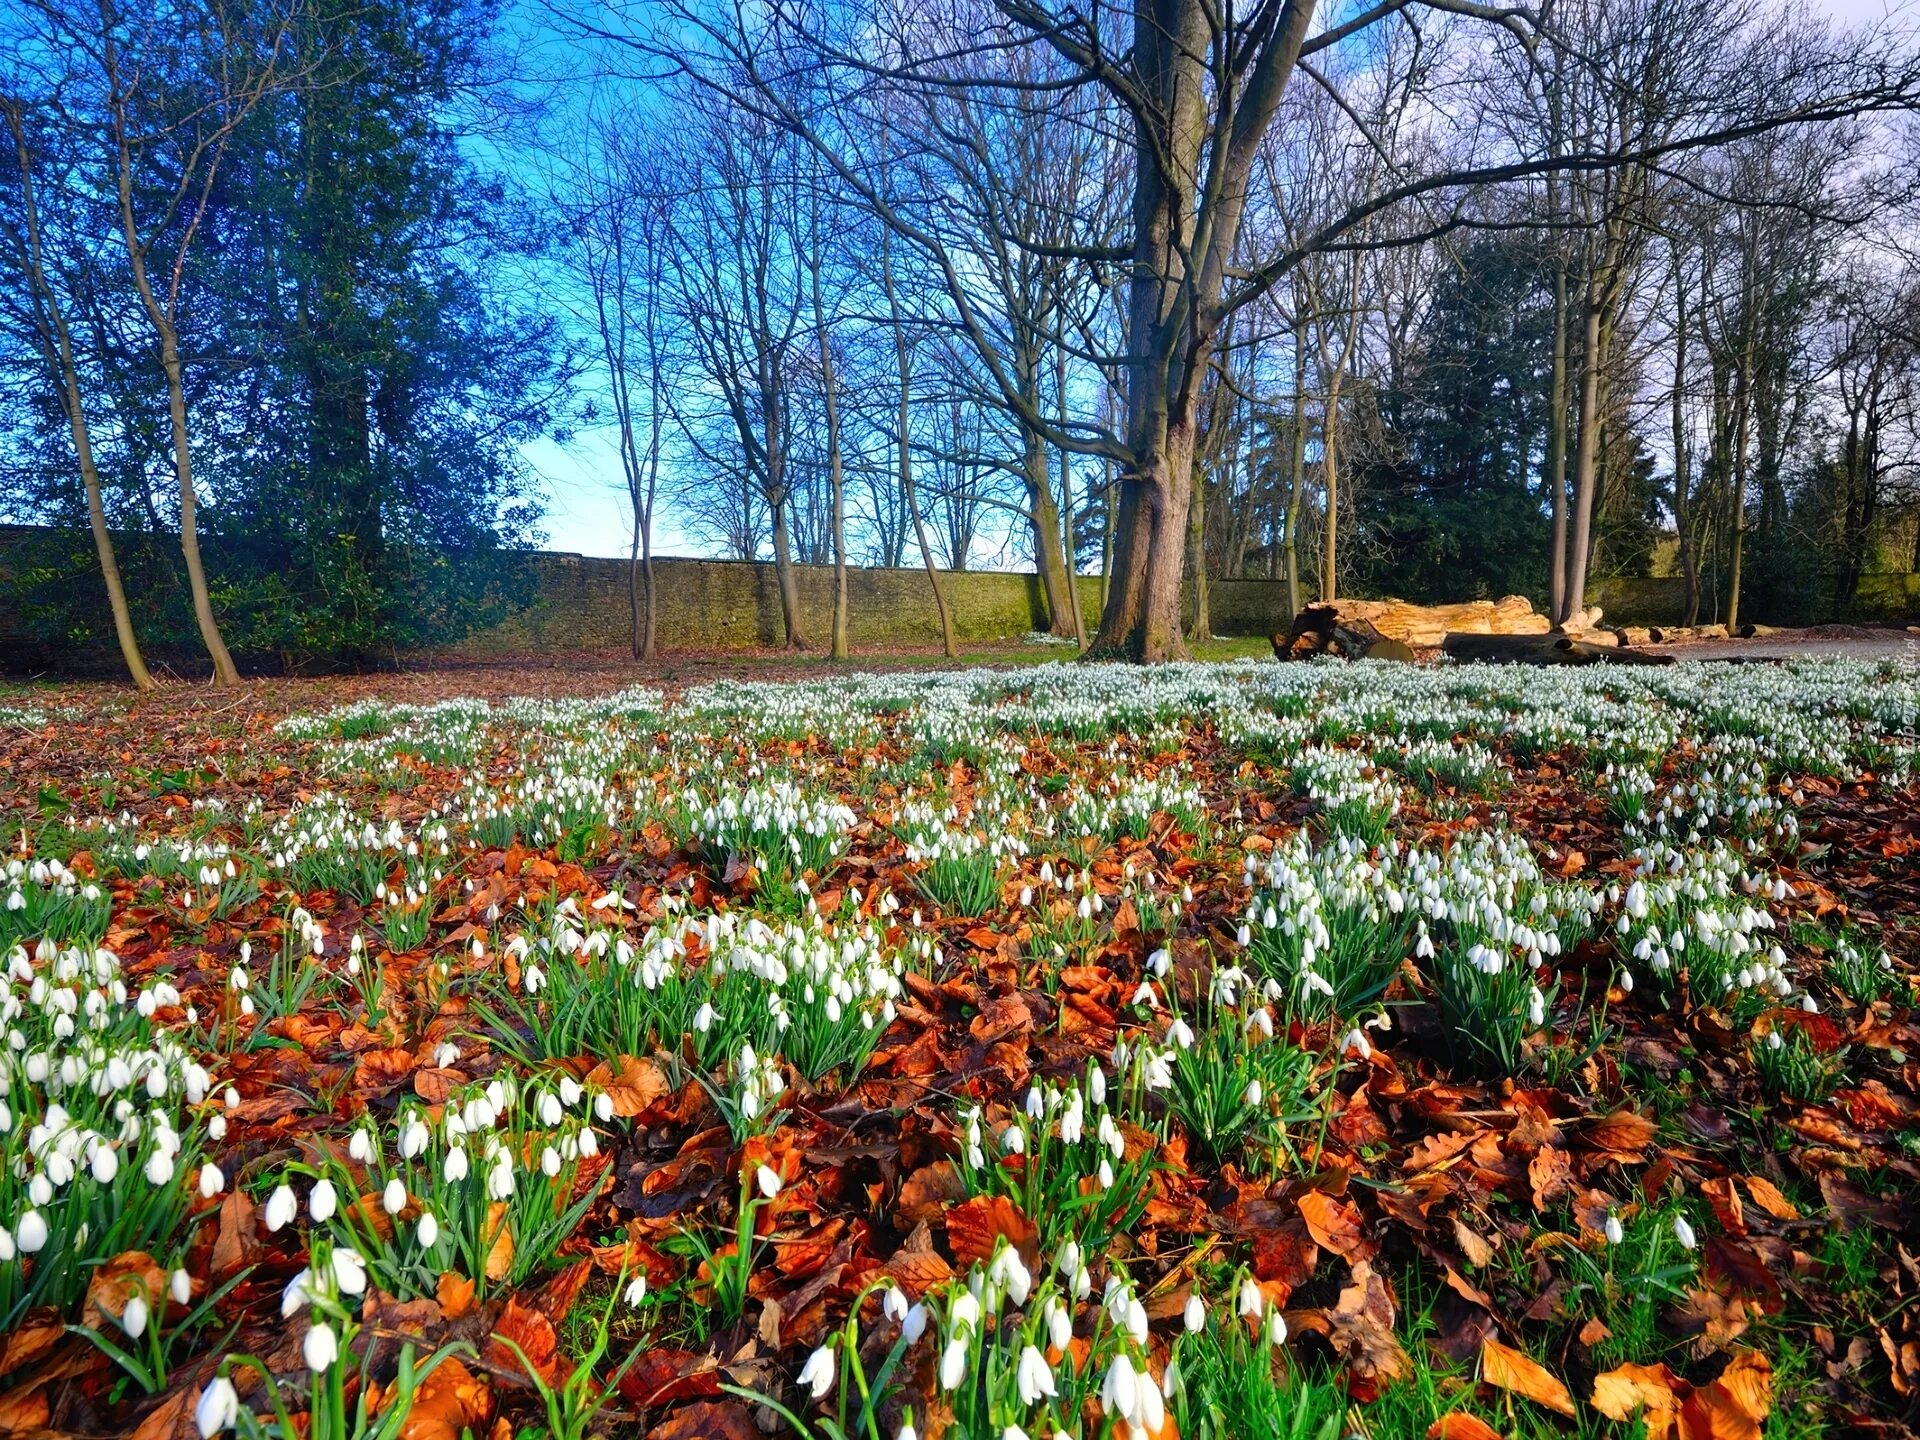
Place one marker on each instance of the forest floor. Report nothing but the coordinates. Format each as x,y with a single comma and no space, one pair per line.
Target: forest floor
1212,1050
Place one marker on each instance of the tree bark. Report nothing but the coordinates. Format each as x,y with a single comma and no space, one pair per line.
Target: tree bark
1557,447
902,419
1586,456
56,343
1066,510
1682,481
836,475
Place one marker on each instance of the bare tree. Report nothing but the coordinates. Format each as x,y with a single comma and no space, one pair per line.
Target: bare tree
24,252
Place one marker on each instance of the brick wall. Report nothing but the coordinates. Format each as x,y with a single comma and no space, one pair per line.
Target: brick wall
581,604
735,605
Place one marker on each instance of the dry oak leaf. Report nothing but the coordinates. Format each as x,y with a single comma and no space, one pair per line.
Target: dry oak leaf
1461,1426
31,1340
927,1193
1334,1224
1768,1197
1626,1133
170,1418
1733,1407
1651,1390
1506,1368
450,1401
455,1294
24,1409
1360,1327
707,1420
975,1227
531,1333
635,1088
119,1280
379,1070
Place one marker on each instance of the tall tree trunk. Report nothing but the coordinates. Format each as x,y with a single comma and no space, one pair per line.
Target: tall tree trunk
1202,626
1736,559
796,638
224,670
1330,467
1556,476
1044,521
836,474
50,327
902,420
1586,457
1682,481
1066,509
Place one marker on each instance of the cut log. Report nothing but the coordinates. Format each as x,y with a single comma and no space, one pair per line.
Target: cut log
1313,629
1680,634
1543,650
1633,634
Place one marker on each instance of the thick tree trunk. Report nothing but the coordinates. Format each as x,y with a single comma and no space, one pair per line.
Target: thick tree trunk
1739,544
1141,621
1556,476
224,670
1297,469
1586,459
1043,519
1066,511
796,637
1202,626
1330,466
1682,481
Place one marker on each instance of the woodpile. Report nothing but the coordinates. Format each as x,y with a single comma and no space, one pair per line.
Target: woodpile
1425,626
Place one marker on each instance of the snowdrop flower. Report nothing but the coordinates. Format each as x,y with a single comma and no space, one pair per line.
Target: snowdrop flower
1683,1232
636,1291
31,1236
500,1180
320,1348
1276,1328
1196,1314
133,1319
768,1180
893,1304
1120,1390
816,1376
953,1364
322,1202
180,1287
394,1198
218,1408
280,1209
349,1272
212,1182
1614,1230
1014,1140
1034,1377
914,1325
455,1167
427,1232
906,1431
1252,1304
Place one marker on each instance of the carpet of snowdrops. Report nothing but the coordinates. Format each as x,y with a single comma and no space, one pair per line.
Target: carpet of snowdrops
1294,1051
